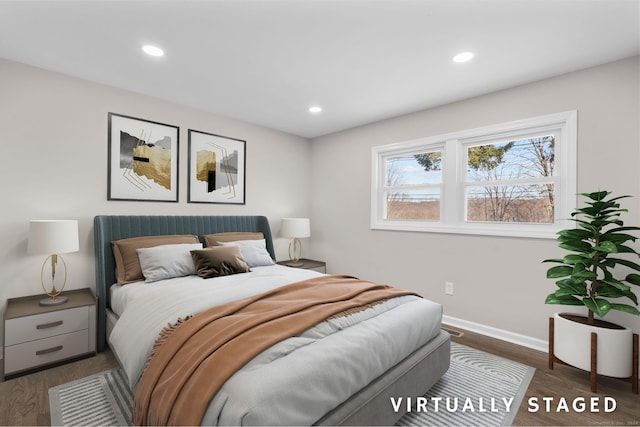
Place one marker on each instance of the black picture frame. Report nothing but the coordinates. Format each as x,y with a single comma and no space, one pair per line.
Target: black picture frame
143,160
216,168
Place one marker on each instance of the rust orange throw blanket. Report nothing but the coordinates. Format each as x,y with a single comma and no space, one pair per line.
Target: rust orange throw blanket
190,365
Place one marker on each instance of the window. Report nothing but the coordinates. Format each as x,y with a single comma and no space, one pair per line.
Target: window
511,181
413,186
515,179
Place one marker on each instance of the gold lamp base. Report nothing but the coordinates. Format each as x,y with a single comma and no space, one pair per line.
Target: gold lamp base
295,250
54,295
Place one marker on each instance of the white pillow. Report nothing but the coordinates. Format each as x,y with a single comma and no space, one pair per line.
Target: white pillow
254,252
167,261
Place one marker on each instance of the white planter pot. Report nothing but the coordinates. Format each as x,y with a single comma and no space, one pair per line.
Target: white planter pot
572,345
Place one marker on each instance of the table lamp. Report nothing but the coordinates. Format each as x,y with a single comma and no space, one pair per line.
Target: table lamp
295,228
52,238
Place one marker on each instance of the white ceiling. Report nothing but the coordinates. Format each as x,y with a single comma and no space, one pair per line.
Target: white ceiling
267,61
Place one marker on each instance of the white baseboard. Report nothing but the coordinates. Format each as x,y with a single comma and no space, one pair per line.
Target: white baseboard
501,334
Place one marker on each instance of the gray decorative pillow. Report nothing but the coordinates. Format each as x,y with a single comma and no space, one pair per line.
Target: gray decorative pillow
254,252
219,261
167,261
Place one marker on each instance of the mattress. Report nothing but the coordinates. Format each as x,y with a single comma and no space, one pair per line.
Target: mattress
288,383
120,294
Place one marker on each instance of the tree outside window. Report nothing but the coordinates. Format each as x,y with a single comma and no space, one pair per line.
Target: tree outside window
506,181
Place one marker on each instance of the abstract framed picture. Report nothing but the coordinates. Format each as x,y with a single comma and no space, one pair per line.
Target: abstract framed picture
216,168
143,160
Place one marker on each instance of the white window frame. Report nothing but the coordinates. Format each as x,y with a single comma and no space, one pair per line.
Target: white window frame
410,151
454,163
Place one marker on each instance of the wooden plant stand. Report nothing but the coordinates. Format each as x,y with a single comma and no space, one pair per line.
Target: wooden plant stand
593,374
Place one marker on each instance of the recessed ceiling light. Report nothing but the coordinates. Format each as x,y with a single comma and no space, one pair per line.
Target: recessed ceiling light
315,109
152,50
463,57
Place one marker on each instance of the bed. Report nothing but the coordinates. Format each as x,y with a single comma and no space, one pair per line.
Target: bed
370,404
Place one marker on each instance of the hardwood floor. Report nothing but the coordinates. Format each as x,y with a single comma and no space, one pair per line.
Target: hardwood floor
25,400
561,382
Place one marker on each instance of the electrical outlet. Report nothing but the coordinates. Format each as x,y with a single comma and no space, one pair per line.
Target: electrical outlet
448,288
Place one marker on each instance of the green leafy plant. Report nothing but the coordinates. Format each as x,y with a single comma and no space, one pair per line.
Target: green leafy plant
586,273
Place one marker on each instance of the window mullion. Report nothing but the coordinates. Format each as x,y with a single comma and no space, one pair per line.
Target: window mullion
508,182
450,203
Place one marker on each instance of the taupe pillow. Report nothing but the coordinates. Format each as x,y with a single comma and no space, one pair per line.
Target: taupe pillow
126,257
213,239
219,261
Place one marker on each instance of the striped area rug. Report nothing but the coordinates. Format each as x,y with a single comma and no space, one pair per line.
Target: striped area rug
474,378
102,399
476,390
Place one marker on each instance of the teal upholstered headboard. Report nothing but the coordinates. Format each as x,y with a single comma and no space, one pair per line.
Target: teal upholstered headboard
109,227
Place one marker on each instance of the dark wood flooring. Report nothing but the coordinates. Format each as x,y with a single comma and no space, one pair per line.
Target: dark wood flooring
25,400
561,382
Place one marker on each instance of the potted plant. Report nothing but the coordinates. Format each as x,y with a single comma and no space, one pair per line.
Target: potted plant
586,277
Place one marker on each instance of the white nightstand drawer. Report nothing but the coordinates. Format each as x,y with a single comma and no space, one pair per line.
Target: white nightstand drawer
38,326
35,353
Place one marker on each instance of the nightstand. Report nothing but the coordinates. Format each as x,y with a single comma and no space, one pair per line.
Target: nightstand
309,264
36,336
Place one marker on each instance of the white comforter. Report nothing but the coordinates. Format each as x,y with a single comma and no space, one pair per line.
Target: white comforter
296,381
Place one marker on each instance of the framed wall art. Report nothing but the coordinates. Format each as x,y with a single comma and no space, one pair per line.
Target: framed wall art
143,160
216,168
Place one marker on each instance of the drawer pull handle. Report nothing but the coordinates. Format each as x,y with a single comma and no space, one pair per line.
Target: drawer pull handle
49,325
48,350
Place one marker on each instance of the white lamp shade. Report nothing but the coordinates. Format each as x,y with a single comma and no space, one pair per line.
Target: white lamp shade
53,237
295,227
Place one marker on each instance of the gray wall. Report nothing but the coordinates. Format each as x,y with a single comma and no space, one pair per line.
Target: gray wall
499,282
53,133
